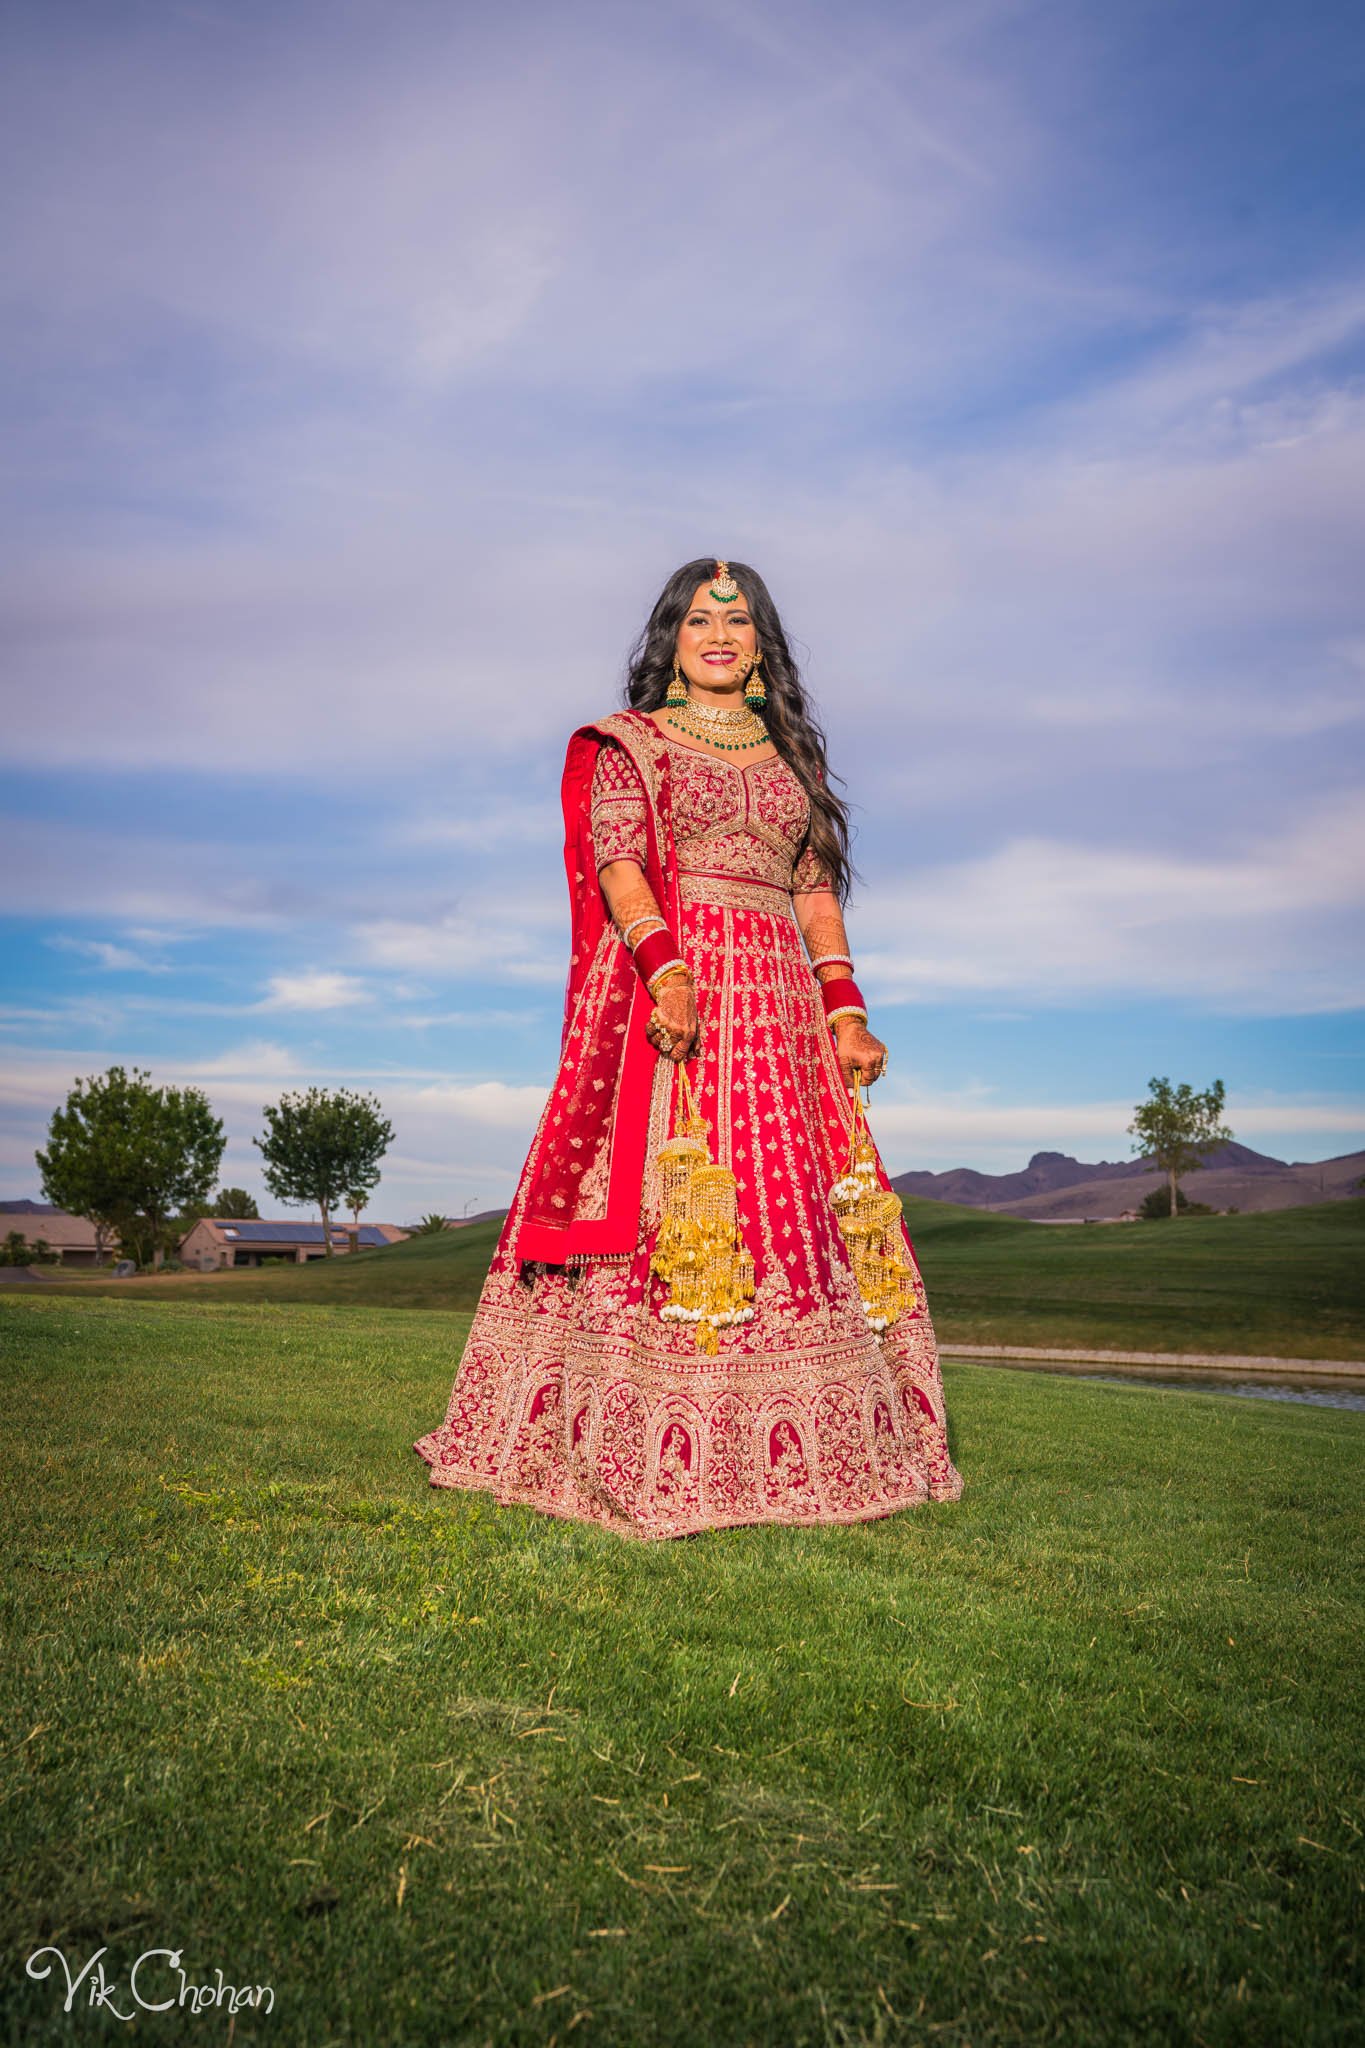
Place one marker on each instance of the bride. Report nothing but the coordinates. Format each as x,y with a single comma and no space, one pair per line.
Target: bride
708,865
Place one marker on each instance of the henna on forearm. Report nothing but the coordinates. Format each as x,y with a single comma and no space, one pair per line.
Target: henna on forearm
628,895
833,970
821,922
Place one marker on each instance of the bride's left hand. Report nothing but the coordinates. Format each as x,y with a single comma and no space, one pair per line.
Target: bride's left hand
858,1052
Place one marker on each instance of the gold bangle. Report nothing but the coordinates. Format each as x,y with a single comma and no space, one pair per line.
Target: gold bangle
666,973
849,1010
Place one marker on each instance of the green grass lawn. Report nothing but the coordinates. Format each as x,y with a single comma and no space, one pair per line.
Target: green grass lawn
1291,1284
1074,1760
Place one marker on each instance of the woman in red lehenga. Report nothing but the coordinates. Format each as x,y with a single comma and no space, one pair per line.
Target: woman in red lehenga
703,846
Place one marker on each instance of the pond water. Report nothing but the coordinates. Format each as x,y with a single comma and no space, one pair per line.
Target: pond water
1305,1390
1315,1394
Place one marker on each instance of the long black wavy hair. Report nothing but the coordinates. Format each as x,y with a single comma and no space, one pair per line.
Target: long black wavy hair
796,732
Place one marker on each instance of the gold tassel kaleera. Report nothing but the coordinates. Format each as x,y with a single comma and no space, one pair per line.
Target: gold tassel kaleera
870,1223
699,1252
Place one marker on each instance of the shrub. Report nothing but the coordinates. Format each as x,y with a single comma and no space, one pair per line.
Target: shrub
1157,1205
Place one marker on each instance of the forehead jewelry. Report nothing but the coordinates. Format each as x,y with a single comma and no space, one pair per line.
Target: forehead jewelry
724,589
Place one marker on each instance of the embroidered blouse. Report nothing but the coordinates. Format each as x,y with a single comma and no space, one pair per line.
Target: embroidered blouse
738,823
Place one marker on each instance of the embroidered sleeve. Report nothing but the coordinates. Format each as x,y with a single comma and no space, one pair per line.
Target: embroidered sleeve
810,873
618,809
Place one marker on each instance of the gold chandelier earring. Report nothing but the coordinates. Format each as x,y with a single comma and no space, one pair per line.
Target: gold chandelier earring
677,689
754,692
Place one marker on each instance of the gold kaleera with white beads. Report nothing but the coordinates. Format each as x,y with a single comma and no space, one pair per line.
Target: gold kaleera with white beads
870,1217
699,1252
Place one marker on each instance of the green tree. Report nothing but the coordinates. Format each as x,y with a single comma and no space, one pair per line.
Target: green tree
323,1146
128,1157
85,1169
235,1204
178,1146
1175,1127
356,1199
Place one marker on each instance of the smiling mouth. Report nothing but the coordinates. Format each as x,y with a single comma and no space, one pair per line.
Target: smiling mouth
724,658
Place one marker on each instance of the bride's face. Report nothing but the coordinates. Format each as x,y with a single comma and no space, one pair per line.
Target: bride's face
712,639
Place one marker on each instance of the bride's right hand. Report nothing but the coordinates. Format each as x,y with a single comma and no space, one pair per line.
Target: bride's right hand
675,1008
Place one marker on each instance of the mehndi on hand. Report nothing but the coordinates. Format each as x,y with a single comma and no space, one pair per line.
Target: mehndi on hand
674,1027
858,1052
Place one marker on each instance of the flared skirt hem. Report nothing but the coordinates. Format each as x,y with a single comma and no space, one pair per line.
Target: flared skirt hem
462,1480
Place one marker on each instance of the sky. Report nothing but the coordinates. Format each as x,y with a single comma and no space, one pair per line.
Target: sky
369,366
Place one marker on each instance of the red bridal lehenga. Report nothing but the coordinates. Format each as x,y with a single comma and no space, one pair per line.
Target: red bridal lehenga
572,1395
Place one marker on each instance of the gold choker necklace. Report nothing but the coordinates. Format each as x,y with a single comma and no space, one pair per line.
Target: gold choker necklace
699,722
721,713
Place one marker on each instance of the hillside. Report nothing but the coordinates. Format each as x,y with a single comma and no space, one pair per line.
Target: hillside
1055,1187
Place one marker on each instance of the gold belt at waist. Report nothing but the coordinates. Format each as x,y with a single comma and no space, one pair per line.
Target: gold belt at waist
734,892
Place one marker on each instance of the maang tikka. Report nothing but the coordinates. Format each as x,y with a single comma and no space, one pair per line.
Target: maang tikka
725,590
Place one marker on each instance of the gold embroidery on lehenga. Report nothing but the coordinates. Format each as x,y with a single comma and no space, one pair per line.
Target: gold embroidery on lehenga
731,892
573,1397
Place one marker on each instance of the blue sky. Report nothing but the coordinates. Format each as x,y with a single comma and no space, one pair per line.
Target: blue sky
369,367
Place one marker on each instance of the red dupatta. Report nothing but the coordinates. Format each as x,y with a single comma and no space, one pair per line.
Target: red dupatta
586,1168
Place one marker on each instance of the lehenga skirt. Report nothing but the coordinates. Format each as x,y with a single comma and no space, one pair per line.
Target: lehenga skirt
574,1397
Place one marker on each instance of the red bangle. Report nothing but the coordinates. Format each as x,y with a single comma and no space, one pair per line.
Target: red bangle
654,951
841,995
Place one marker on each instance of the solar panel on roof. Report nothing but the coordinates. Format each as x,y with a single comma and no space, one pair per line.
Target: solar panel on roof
301,1233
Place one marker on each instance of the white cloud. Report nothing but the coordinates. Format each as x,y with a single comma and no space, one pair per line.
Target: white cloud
1188,588
1211,381
413,222
492,938
104,953
479,828
87,1014
1252,927
315,990
477,1020
495,1104
170,885
258,1060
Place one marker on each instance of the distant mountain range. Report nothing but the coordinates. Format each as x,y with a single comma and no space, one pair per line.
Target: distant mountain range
1055,1187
